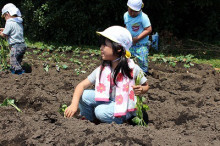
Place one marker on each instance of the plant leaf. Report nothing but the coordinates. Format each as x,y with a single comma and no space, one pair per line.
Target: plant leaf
136,120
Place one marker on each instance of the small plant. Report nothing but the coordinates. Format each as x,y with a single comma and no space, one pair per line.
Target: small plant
63,55
78,71
11,102
77,62
83,71
46,67
62,109
64,66
76,51
55,58
71,59
187,60
139,119
36,51
45,54
85,57
50,48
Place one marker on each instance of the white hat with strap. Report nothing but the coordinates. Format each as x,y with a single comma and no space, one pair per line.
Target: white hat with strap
119,35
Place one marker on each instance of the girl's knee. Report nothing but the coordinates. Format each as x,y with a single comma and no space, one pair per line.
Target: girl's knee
102,114
106,114
88,96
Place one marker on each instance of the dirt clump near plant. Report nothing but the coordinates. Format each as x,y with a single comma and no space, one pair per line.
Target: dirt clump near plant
184,109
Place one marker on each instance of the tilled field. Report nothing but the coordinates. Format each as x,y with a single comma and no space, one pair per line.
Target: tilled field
184,109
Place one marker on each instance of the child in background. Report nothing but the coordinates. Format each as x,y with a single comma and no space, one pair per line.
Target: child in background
13,32
138,23
113,99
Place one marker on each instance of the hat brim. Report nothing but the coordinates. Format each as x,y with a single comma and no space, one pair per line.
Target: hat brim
107,36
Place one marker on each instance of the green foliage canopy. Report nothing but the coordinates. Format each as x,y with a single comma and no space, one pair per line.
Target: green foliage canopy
76,21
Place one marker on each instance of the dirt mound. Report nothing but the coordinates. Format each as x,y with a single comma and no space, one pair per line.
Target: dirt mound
184,109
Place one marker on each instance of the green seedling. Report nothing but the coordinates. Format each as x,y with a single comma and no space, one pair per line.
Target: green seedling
63,55
68,48
62,109
71,59
56,58
139,119
85,57
77,62
76,55
46,67
36,51
11,102
76,51
78,71
45,54
64,66
50,48
83,71
187,60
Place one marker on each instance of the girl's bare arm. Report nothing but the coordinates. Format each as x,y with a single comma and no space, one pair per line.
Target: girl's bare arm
71,110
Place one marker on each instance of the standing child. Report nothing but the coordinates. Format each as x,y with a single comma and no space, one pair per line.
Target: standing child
138,23
113,99
13,31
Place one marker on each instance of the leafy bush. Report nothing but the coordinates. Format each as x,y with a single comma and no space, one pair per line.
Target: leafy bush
76,21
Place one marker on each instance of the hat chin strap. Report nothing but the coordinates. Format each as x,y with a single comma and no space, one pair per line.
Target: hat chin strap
116,59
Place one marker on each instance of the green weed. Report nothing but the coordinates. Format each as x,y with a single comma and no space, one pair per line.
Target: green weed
10,102
186,60
62,109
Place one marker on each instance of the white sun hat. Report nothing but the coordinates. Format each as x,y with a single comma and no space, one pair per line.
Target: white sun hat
11,9
119,35
135,5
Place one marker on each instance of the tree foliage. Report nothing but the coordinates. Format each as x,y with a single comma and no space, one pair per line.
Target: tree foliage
76,21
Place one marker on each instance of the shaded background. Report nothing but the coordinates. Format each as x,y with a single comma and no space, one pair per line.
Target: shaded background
75,21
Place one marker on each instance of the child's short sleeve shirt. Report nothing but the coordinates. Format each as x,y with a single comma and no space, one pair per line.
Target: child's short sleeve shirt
137,24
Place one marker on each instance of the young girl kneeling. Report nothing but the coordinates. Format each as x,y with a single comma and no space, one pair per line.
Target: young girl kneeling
113,99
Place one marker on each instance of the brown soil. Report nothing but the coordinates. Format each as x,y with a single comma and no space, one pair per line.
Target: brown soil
184,108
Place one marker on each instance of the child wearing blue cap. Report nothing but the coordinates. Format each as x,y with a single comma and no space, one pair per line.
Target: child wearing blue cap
138,24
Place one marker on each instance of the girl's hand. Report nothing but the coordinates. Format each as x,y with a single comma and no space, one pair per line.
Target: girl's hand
70,111
2,29
138,89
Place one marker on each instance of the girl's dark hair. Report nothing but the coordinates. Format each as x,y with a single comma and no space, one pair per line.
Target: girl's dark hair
123,63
